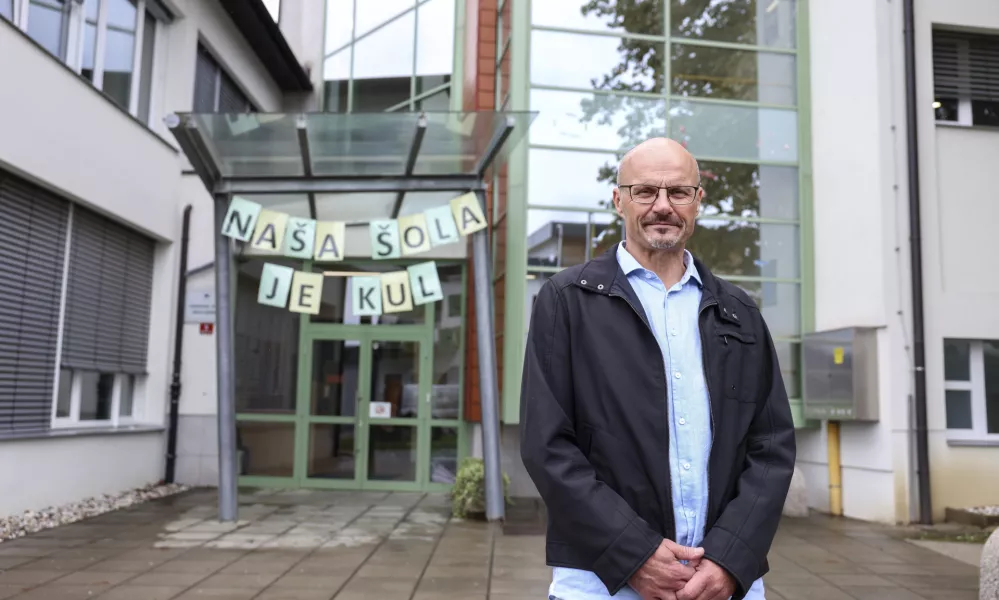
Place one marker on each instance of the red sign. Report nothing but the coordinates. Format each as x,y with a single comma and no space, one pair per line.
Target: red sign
207,328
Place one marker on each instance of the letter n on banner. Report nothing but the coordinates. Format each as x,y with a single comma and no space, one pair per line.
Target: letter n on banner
306,292
240,219
366,296
275,282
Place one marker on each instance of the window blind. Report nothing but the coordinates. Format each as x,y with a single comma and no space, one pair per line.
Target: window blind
31,269
966,66
108,296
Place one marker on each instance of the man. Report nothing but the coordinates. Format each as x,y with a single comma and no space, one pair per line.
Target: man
654,418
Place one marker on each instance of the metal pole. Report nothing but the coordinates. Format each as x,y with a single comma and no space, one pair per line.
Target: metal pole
228,498
178,350
495,501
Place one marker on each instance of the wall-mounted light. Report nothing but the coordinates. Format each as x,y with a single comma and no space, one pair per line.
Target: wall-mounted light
937,104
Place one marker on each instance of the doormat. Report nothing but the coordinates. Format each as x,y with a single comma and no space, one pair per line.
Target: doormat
526,516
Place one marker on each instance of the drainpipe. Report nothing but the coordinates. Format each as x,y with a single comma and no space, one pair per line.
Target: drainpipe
178,347
835,470
915,249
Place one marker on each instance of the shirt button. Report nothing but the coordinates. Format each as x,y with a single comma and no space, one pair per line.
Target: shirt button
676,375
686,466
683,421
672,331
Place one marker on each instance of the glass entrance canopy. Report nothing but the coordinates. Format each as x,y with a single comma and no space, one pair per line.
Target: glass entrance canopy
271,153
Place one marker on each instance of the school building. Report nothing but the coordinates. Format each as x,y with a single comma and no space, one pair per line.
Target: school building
834,150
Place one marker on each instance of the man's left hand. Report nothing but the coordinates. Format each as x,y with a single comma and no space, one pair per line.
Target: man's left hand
710,582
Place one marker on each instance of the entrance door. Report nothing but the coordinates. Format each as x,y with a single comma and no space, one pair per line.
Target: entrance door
363,426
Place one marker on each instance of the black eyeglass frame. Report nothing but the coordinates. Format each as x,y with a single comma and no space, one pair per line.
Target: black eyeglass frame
661,187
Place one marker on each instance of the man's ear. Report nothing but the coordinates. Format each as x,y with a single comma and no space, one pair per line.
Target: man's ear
617,201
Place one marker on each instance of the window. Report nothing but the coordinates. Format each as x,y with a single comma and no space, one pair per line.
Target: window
214,90
971,389
109,43
966,78
108,292
7,9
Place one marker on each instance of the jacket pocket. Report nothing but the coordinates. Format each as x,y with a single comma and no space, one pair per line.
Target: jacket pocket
741,358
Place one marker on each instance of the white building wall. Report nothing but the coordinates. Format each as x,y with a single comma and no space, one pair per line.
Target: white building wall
62,134
862,271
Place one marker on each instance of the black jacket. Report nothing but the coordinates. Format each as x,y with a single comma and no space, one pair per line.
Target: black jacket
594,432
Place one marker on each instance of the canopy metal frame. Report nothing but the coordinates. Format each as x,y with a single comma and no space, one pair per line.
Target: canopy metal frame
223,187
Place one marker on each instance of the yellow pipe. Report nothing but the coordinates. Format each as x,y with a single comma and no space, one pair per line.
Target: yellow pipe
835,477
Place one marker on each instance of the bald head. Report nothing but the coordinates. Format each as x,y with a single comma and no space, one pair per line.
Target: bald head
657,155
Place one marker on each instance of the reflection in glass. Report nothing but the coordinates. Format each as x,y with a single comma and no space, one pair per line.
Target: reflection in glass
435,38
126,396
331,451
601,15
735,132
370,15
269,148
746,248
146,84
957,360
266,343
383,65
96,390
395,376
336,304
445,388
990,359
748,190
443,454
789,357
48,22
65,399
118,66
780,304
733,74
335,371
595,62
576,179
265,449
958,406
563,239
121,14
753,22
7,9
392,453
601,121
89,39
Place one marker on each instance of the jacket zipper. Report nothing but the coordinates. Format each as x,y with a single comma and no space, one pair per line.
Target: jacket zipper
707,387
665,379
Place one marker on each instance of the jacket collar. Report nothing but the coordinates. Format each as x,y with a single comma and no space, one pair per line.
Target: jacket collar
603,275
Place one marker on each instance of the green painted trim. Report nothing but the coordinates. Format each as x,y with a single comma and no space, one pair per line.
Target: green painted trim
421,96
661,96
458,61
805,183
412,73
266,418
757,279
263,481
353,42
736,46
579,209
373,30
597,92
515,324
760,220
332,420
667,62
730,102
611,34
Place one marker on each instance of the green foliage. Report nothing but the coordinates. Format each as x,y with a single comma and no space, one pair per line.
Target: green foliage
468,496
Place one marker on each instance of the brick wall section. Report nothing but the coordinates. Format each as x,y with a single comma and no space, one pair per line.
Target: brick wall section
479,82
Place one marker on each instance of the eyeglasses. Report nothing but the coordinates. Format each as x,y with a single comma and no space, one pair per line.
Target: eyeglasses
677,194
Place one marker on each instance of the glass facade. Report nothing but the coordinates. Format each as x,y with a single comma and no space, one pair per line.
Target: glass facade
388,55
720,77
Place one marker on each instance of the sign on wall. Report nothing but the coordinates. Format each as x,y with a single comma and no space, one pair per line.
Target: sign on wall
199,306
398,291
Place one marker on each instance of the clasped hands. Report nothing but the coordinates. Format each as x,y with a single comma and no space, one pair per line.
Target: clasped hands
664,577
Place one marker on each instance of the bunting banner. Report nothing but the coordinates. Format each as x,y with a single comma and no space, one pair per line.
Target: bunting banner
323,241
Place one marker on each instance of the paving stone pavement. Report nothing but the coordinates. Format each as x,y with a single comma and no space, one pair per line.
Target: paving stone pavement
319,545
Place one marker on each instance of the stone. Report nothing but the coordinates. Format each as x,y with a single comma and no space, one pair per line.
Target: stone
796,503
988,587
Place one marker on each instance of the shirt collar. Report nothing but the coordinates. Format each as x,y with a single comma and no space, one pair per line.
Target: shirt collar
629,264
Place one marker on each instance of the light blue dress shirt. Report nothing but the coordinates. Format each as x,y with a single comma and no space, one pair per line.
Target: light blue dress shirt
673,316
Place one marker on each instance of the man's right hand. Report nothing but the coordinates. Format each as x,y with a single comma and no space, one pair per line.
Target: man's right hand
663,574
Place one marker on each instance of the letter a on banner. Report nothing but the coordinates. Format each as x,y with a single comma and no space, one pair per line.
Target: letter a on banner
240,219
306,292
385,239
275,282
440,222
299,238
395,292
269,234
425,283
366,296
414,235
330,240
468,214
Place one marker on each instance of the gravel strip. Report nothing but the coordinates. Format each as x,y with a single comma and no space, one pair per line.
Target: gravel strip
31,521
989,511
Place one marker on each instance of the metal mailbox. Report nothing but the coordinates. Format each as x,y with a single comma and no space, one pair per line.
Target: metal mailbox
841,374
